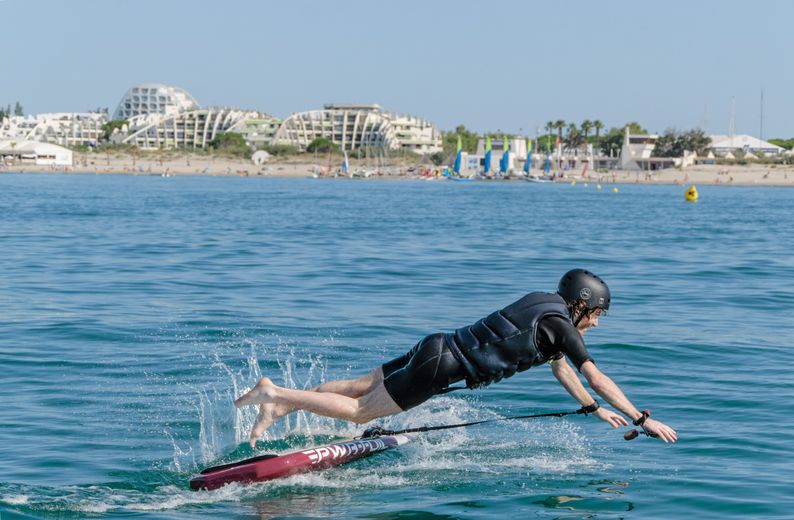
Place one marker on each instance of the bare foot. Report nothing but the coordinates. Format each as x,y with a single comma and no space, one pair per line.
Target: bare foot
263,392
268,414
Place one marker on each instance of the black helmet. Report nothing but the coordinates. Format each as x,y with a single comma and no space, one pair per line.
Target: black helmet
580,284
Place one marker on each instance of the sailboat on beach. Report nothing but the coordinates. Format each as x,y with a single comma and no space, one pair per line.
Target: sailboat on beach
455,175
528,166
504,163
528,160
487,161
345,165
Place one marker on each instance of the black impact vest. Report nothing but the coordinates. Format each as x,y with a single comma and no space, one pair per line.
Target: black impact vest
503,343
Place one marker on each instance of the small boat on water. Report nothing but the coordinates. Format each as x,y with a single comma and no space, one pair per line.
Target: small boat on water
535,178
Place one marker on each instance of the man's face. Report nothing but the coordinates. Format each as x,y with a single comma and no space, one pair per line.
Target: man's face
590,320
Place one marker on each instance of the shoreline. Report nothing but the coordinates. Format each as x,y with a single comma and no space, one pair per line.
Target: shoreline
748,175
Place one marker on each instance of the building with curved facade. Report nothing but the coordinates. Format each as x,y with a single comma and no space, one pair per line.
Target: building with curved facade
62,128
188,129
157,116
359,126
154,98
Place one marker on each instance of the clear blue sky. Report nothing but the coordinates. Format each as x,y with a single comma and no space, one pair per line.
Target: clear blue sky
509,65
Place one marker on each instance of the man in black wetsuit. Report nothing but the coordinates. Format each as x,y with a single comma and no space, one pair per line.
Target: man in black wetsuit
539,328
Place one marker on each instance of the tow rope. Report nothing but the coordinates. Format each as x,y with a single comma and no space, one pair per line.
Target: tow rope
377,431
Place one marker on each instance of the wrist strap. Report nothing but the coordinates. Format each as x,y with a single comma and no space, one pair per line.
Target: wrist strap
590,408
642,418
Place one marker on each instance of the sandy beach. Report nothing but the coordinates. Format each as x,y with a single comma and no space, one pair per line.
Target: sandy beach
749,175
205,165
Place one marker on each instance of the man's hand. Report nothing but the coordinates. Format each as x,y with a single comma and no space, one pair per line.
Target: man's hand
659,429
610,417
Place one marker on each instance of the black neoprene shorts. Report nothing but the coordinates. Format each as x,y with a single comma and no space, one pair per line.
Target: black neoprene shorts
424,371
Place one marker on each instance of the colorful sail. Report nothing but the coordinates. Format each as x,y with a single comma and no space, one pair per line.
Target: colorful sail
528,162
505,162
345,165
458,158
487,165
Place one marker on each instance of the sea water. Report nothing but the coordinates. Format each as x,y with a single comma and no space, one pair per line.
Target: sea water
134,309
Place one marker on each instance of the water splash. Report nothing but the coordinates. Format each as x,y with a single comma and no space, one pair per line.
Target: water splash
449,459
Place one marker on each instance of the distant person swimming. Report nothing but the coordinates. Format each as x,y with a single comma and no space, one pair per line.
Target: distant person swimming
539,328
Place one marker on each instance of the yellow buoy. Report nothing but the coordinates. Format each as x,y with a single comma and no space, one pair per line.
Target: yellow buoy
615,190
691,194
598,186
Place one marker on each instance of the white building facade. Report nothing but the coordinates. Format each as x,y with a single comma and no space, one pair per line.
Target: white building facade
157,116
62,128
417,135
257,129
354,127
34,152
154,98
190,129
725,144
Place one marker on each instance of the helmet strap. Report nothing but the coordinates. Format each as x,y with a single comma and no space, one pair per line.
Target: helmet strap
576,319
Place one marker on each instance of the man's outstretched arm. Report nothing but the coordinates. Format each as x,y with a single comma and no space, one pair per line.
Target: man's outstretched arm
612,394
570,381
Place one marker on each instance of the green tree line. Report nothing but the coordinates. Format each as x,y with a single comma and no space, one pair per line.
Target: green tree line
788,144
8,112
570,134
673,143
608,142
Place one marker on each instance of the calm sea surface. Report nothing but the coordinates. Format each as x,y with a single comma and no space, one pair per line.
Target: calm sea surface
133,310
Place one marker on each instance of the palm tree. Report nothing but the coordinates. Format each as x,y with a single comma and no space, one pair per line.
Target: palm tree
587,125
549,129
559,125
574,138
598,125
570,135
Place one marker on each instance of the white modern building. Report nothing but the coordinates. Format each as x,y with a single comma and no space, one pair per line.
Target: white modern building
188,129
415,134
355,127
63,128
637,150
637,154
725,144
257,129
34,152
516,146
157,116
154,98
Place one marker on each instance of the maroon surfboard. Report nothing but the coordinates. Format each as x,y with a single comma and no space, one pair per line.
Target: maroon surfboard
269,467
